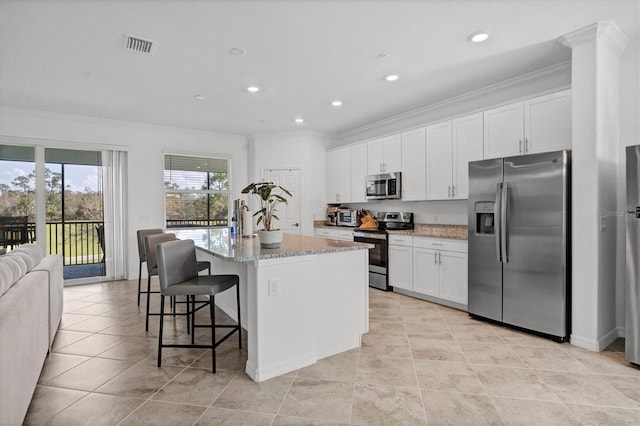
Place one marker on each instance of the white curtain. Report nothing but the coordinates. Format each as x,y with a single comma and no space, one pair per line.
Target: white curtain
114,173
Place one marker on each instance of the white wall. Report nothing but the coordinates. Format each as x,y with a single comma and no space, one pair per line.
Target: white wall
145,145
629,135
300,150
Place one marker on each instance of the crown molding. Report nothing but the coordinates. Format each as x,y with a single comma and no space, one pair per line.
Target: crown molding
530,79
606,31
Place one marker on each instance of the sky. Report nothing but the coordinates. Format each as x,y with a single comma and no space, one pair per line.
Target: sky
76,177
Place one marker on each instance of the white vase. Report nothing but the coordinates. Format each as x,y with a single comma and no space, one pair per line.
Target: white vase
270,239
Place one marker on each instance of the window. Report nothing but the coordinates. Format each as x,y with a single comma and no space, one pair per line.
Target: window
196,191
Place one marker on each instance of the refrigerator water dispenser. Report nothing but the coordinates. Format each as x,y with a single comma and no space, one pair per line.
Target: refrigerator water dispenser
485,215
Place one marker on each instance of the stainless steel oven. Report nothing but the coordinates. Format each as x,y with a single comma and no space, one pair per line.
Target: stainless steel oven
379,255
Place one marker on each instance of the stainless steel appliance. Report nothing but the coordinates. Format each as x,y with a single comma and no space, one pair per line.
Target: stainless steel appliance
332,215
384,186
519,242
347,217
632,327
378,256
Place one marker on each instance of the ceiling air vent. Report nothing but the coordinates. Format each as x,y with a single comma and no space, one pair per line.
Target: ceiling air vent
139,44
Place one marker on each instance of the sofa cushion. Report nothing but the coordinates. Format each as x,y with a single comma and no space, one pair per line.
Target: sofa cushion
12,268
31,253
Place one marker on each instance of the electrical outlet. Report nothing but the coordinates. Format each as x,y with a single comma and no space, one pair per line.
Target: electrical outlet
273,288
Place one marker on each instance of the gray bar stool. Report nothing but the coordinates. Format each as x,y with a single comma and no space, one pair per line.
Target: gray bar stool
141,254
178,273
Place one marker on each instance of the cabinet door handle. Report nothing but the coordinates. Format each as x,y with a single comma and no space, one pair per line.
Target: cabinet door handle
526,145
440,257
453,191
520,146
435,257
449,191
337,197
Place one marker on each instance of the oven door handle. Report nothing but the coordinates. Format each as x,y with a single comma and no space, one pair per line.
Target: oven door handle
367,235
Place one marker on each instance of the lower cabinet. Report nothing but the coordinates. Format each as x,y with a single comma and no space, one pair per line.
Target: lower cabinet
432,267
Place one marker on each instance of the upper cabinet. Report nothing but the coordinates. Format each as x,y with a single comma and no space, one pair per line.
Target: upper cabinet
385,155
450,147
547,123
439,161
339,175
358,173
536,125
467,146
414,172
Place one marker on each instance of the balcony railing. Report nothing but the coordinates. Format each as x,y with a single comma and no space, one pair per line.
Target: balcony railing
79,242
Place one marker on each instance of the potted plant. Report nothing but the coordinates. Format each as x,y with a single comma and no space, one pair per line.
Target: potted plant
270,196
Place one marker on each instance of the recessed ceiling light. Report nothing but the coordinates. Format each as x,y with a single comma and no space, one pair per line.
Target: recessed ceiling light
479,36
299,120
336,103
391,77
238,51
199,97
253,89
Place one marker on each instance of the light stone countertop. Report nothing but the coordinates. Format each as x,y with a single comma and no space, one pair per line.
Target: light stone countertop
219,243
453,232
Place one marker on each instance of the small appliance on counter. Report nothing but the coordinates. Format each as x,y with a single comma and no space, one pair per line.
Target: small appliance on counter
347,217
377,235
332,215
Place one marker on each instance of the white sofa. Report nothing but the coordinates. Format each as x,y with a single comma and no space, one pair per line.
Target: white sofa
31,303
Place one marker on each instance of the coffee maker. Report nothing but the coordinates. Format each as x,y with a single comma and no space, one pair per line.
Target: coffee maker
332,215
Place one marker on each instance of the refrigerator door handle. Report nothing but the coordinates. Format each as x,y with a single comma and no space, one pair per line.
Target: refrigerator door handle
503,222
498,222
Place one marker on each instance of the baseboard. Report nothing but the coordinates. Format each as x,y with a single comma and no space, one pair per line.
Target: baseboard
600,344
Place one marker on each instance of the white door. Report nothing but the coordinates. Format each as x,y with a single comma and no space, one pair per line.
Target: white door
375,156
288,214
392,162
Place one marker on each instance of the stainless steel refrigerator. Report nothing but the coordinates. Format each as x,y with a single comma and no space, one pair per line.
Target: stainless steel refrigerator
519,242
632,327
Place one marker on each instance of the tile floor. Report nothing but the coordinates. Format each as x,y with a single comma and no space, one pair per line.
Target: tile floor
421,363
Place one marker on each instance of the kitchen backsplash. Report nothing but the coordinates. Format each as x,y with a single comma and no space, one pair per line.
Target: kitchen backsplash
452,212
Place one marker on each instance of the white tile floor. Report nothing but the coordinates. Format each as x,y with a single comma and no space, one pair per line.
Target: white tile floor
421,363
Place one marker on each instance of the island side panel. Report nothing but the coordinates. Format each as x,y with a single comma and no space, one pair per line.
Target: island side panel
227,300
319,308
281,322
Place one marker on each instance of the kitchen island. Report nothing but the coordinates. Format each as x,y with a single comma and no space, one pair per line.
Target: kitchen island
302,302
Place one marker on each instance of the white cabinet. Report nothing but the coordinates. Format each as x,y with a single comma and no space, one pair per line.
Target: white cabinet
425,271
537,125
450,147
453,276
400,266
414,172
442,271
439,161
432,267
358,173
547,123
334,234
339,175
467,146
384,155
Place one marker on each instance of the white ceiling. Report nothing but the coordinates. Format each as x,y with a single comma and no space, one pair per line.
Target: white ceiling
67,56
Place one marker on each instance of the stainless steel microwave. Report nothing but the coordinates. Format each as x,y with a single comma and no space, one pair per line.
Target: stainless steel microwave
384,186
